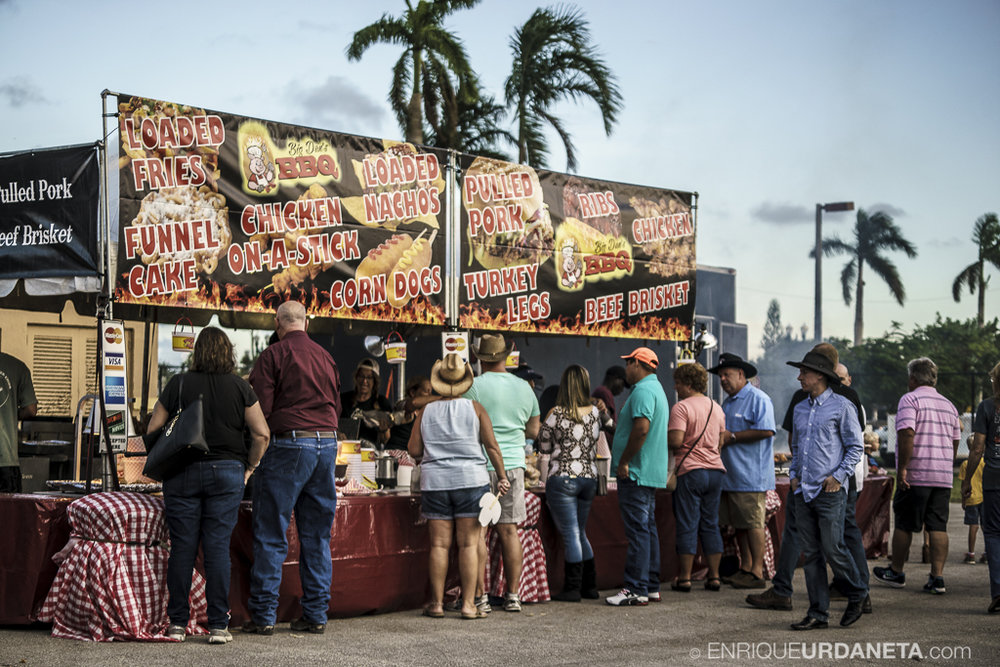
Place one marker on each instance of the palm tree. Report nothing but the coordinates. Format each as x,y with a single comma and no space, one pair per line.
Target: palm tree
872,236
429,53
554,61
986,235
478,130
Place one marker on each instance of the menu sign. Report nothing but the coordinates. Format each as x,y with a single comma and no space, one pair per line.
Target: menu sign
227,212
553,253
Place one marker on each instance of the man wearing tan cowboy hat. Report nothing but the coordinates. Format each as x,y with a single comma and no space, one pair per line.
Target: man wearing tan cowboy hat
748,455
513,408
826,446
641,461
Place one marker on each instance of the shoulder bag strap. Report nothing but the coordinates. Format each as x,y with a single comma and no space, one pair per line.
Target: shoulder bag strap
694,442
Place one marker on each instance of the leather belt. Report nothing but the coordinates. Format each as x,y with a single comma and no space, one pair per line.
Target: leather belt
306,434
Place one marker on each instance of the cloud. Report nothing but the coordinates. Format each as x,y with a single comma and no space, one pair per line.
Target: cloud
784,214
18,91
336,104
894,211
952,242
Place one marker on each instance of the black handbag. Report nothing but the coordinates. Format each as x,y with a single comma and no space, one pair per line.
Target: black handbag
178,442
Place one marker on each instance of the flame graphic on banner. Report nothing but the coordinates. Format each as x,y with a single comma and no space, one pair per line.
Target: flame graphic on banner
648,328
216,296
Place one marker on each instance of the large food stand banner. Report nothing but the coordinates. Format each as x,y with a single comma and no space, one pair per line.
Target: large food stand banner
549,252
226,212
48,213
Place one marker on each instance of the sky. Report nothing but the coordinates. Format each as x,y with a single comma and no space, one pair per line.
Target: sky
764,108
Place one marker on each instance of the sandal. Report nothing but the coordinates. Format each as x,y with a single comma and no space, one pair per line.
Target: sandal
479,613
681,585
713,584
433,613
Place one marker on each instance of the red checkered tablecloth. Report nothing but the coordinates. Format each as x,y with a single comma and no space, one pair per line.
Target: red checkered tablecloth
534,577
112,585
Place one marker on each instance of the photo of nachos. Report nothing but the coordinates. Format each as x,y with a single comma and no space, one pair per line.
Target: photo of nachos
184,204
355,206
138,108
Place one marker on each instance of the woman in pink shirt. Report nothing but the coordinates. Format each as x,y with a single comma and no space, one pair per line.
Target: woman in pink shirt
694,435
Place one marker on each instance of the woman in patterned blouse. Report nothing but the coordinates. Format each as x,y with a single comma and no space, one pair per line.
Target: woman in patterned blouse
570,434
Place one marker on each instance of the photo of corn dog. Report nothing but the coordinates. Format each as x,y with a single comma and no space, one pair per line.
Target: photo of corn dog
415,258
382,259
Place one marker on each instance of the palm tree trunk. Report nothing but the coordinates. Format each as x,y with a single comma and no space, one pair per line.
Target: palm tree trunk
414,115
859,316
981,311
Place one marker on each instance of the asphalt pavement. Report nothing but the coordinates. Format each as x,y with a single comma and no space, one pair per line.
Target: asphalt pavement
696,628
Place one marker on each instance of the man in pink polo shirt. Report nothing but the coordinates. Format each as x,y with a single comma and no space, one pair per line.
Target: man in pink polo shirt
927,435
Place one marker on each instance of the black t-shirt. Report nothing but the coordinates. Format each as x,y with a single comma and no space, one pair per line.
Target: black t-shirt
986,422
225,399
351,410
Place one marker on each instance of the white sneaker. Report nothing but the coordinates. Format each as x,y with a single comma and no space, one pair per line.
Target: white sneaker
655,597
627,598
177,633
219,636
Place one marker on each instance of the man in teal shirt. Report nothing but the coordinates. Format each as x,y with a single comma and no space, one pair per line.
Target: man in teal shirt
642,464
513,408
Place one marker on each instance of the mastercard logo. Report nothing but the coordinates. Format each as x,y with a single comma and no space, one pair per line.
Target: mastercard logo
455,344
113,335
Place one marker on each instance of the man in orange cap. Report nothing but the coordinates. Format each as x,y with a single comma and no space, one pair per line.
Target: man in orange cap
641,461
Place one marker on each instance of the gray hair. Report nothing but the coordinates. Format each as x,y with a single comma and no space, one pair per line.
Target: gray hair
923,372
291,312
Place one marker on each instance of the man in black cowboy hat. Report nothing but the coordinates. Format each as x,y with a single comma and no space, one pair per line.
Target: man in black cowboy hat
748,455
826,446
779,596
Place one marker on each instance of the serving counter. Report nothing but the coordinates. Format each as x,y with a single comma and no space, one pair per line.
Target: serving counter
379,549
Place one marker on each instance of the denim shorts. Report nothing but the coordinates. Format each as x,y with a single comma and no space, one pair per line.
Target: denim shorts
973,515
452,504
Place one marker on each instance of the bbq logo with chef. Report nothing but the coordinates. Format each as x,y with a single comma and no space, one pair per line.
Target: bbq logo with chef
260,166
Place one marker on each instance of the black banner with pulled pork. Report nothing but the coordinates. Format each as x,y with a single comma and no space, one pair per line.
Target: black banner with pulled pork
546,252
225,212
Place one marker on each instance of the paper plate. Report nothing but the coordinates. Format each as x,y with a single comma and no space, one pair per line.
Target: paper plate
490,512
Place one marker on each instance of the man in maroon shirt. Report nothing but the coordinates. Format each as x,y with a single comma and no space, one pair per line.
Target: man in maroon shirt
298,386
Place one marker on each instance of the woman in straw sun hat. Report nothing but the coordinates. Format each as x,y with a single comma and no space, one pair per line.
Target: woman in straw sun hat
446,440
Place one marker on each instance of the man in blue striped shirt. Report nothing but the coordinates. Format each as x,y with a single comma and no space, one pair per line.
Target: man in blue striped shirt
826,447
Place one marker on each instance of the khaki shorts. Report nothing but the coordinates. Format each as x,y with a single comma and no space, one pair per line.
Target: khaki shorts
742,510
512,508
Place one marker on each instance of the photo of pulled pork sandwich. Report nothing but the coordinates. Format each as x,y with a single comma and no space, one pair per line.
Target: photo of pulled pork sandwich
509,222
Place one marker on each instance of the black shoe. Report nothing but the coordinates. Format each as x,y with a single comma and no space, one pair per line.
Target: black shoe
866,606
810,623
302,625
572,578
770,600
588,584
851,614
252,628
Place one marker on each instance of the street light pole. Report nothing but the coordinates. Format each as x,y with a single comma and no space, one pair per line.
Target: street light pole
818,306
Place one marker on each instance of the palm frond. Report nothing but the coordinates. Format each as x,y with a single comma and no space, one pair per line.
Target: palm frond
848,276
888,272
969,276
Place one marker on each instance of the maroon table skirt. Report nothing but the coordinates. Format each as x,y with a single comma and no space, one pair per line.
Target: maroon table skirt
378,546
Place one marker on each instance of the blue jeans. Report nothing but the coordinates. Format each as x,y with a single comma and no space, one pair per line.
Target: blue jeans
569,500
788,555
201,504
295,474
821,528
637,505
991,535
790,549
696,510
